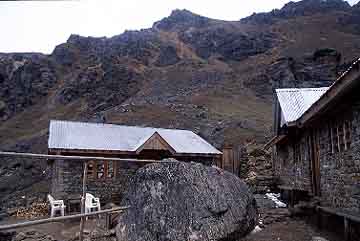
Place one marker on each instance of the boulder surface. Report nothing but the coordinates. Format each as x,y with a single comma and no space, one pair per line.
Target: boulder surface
186,201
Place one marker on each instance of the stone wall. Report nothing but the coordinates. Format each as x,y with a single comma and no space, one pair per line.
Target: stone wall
257,170
339,171
293,173
67,179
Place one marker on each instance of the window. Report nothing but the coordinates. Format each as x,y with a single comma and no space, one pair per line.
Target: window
347,130
297,152
90,169
101,169
110,169
330,139
341,141
340,136
335,139
283,154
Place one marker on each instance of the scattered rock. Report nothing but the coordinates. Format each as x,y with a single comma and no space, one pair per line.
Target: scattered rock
236,46
168,56
32,235
6,236
34,211
268,211
256,169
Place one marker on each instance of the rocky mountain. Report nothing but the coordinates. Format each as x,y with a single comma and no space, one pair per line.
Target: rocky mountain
299,9
188,71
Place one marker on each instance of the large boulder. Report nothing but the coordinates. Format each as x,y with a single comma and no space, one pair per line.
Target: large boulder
186,201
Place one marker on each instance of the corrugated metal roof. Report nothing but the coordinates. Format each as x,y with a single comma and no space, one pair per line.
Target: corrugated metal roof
95,136
294,102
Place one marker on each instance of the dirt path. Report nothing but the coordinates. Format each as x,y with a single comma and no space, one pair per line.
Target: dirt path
291,230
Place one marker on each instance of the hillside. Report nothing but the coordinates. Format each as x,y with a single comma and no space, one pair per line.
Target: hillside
188,71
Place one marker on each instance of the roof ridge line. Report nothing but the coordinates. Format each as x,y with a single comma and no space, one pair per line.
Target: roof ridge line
301,89
119,125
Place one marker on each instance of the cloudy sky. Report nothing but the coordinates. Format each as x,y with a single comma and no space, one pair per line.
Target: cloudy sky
38,26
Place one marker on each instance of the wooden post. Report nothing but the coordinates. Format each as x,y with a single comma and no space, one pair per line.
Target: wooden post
319,219
346,229
83,197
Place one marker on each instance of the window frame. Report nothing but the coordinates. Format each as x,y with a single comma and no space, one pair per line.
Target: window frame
297,151
340,135
93,174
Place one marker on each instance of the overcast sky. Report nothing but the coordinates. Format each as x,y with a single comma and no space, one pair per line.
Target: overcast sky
29,26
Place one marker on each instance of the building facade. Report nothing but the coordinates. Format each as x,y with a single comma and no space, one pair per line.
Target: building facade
316,148
108,179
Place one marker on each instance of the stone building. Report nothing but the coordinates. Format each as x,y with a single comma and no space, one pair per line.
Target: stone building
108,179
316,148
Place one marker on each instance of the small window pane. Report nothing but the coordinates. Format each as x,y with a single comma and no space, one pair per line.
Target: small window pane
90,169
297,152
335,139
348,134
331,150
100,170
341,137
111,169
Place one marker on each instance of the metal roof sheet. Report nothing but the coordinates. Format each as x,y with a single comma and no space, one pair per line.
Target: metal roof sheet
296,101
95,136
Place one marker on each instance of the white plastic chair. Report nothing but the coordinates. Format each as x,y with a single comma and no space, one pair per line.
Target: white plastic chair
56,205
91,203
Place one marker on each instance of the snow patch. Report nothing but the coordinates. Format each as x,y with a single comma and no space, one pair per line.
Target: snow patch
256,230
275,198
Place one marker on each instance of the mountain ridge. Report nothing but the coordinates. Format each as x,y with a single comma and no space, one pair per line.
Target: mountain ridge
188,71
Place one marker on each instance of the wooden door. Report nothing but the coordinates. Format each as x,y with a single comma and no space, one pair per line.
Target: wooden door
315,162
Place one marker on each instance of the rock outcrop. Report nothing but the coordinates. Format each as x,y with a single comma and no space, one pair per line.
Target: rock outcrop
186,201
182,19
25,79
299,8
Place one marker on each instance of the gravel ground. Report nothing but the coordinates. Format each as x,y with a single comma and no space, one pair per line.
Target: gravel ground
291,230
277,225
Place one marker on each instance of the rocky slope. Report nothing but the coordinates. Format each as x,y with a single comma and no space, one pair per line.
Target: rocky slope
188,71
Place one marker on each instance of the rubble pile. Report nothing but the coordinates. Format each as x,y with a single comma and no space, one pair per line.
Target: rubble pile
258,173
34,211
32,235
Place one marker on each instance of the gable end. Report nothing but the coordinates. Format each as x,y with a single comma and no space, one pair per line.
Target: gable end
156,142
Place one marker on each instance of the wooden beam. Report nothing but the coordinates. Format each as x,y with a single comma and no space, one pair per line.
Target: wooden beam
344,136
59,219
274,141
82,158
99,158
346,230
355,218
83,198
